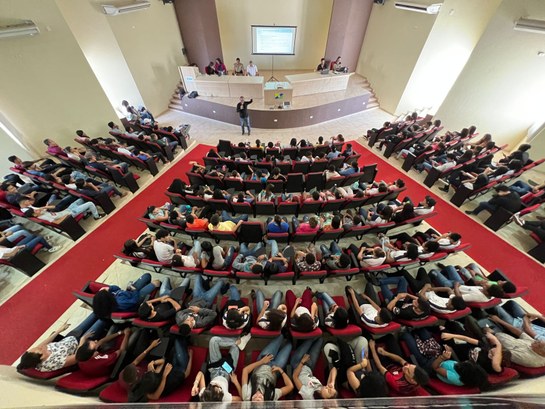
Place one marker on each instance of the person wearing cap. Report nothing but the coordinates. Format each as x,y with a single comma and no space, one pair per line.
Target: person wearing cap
426,206
504,198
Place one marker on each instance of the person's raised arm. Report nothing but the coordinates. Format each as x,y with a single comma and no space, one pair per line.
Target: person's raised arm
144,353
198,384
297,302
108,338
436,365
288,384
497,354
314,310
297,371
157,394
354,302
247,370
189,364
392,357
54,334
527,326
236,383
394,301
446,336
262,312
376,358
175,304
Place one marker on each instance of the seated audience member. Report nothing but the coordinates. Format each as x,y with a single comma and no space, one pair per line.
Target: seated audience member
402,377
164,307
259,378
51,356
521,188
403,305
226,223
335,316
162,377
309,225
330,173
535,226
449,277
96,358
198,314
452,372
422,285
303,362
92,190
74,209
511,313
303,311
350,358
475,276
235,314
426,206
46,166
216,257
195,222
103,164
217,389
334,258
112,298
350,169
278,225
20,239
219,67
272,314
368,256
250,260
521,154
140,248
367,307
504,199
307,261
525,350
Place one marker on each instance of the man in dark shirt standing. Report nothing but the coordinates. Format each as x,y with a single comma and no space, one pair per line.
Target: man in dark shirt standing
510,201
242,109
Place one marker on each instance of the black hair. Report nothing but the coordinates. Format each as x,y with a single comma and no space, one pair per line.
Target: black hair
344,260
509,287
214,220
104,303
432,246
471,374
177,261
270,269
79,183
310,258
189,218
373,385
275,318
207,247
233,319
129,247
336,222
385,315
303,323
130,374
340,318
29,360
79,132
455,236
257,268
184,330
421,377
66,179
458,303
12,158
144,311
148,384
211,394
315,195
496,291
412,251
84,352
162,233
424,305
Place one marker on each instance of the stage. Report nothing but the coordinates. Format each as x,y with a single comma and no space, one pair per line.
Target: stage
305,110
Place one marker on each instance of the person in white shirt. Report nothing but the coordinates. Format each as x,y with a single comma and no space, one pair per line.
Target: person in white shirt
251,70
367,309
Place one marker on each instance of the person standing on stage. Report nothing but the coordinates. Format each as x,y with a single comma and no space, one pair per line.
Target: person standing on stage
252,70
242,109
322,66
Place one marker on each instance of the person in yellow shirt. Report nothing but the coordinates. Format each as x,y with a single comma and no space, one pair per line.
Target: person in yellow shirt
225,222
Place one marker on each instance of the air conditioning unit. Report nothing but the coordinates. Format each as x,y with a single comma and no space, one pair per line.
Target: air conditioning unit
419,8
27,28
116,10
531,26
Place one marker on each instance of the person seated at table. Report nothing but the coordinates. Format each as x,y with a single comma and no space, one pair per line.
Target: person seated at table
322,66
209,69
238,67
219,67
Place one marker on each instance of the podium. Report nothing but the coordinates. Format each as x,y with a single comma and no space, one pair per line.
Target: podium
277,93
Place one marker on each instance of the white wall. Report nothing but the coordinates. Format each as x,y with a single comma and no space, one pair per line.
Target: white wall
310,16
502,87
392,45
455,33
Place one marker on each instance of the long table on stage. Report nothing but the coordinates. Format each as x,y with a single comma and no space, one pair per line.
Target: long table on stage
229,86
316,83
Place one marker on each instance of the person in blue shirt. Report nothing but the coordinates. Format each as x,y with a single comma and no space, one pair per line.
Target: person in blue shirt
277,225
112,298
350,170
333,154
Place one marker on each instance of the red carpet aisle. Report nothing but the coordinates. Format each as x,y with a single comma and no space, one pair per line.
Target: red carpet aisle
34,309
30,312
488,250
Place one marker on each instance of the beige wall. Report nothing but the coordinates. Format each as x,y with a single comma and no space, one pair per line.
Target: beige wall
151,43
501,88
455,33
393,42
310,16
47,87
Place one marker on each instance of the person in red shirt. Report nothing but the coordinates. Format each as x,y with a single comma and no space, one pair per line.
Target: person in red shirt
309,225
402,377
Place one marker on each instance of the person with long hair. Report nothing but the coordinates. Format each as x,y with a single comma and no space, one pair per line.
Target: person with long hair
272,314
303,311
259,378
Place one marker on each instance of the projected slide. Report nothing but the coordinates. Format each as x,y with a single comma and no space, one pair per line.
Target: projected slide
273,40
